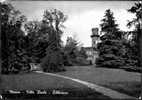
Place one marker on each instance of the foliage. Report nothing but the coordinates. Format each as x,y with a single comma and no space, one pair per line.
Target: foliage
37,40
53,61
117,49
40,44
111,54
137,22
82,53
44,40
109,25
12,39
137,10
73,53
111,50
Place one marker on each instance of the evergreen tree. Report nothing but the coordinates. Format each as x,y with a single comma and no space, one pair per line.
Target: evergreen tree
111,50
109,26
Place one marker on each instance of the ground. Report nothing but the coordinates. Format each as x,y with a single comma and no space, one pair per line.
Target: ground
117,79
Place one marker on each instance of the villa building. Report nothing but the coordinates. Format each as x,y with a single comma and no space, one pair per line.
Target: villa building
92,51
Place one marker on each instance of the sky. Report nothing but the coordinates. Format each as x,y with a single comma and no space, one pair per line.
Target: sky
82,15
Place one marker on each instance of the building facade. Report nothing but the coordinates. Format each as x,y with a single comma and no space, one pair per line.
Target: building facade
92,51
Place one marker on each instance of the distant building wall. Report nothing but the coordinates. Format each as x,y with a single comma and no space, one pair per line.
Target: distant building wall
92,51
95,40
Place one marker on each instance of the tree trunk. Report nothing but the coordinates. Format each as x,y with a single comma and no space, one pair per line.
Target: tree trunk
140,41
0,51
0,56
140,47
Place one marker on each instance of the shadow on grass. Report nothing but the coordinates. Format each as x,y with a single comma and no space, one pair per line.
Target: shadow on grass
130,88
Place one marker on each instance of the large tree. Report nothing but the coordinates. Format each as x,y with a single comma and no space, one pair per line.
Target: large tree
109,26
12,39
111,48
53,20
37,40
137,22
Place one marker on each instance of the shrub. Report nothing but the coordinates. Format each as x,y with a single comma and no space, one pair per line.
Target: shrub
53,61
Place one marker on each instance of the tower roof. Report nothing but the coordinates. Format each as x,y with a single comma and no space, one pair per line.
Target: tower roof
95,32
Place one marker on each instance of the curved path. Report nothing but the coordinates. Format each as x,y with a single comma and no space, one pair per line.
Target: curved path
106,91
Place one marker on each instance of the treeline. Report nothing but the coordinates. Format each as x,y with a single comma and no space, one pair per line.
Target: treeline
119,49
39,42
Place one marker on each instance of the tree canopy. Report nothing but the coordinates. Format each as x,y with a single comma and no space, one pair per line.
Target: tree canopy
111,50
12,39
137,34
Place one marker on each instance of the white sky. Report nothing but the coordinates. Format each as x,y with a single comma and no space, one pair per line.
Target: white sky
82,15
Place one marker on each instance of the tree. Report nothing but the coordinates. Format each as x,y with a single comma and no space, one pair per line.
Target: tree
70,50
111,50
71,47
74,54
52,20
109,25
12,37
37,37
137,10
82,53
5,9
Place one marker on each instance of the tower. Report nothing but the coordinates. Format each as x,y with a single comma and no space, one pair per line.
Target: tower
95,40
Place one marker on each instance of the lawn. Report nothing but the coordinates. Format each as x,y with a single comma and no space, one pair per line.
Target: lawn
130,88
37,81
117,79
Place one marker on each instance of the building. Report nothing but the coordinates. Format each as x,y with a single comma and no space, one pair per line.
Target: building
92,51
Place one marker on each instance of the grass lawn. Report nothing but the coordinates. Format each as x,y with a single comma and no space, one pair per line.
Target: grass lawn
37,81
117,79
130,88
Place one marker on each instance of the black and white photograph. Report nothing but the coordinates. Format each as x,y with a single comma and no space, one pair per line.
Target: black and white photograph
70,49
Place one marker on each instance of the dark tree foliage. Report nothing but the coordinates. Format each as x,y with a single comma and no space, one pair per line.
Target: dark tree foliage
82,53
137,34
70,51
44,40
111,50
133,45
73,55
12,40
53,61
37,40
131,49
109,25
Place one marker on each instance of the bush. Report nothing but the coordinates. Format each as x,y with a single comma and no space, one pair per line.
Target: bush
110,61
53,61
132,69
82,61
